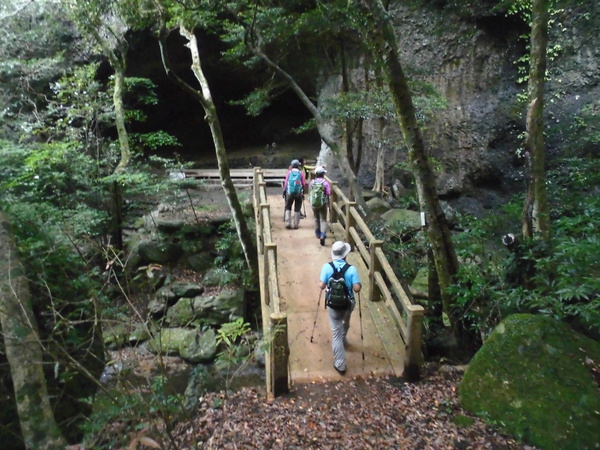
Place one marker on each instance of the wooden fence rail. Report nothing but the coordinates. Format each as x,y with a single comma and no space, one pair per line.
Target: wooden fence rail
274,321
382,279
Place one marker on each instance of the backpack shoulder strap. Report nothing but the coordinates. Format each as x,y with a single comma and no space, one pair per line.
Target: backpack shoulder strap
333,267
344,268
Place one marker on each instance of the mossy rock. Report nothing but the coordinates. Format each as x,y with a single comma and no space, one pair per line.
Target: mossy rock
169,340
421,281
534,376
378,206
402,219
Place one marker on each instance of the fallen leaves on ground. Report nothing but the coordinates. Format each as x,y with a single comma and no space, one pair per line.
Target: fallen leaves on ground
372,413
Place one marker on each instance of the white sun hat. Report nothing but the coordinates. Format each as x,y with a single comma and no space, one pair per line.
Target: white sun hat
339,250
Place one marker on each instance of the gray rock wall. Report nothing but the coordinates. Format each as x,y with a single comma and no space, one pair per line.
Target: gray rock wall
469,57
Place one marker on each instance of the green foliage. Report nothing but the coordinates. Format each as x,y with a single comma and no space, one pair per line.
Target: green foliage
584,130
154,140
565,279
256,101
80,109
34,53
126,415
231,256
377,103
522,9
56,173
234,338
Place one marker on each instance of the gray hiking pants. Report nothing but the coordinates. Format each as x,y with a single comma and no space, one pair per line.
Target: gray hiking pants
320,219
340,324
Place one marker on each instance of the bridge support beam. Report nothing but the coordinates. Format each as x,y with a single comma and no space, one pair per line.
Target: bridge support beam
413,360
374,267
349,220
279,354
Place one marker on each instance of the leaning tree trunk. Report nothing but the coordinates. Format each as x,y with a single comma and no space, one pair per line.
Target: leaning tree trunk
222,161
204,97
438,232
536,215
117,60
24,351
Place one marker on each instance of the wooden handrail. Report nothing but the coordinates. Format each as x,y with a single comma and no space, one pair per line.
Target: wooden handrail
408,315
274,322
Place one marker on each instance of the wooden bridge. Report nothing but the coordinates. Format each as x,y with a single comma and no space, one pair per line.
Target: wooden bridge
386,326
240,177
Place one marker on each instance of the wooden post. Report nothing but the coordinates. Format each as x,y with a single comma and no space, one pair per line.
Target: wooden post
261,244
412,362
374,267
279,354
267,264
349,220
256,179
333,199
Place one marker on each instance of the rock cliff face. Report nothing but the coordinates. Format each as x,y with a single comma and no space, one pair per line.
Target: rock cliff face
468,55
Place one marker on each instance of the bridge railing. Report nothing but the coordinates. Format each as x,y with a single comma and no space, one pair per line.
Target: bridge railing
382,279
274,321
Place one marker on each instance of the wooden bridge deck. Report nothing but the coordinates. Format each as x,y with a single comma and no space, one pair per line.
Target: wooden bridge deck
300,258
375,346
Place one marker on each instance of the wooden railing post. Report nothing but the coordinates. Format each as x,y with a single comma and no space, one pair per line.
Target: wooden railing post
349,220
257,171
412,361
333,199
263,206
374,267
279,354
267,271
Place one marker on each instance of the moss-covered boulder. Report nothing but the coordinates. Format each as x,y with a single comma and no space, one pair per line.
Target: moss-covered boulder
378,205
199,347
403,219
421,281
535,376
227,306
169,340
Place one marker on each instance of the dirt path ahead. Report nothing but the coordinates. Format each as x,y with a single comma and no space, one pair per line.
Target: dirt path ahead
300,259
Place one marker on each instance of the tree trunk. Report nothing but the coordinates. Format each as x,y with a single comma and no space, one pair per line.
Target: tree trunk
117,60
438,232
536,215
204,97
120,118
379,184
348,122
23,350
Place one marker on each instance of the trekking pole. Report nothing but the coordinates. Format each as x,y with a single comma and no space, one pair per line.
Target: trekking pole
284,203
304,208
316,314
362,339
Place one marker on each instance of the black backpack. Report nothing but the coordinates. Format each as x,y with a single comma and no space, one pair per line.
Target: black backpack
338,294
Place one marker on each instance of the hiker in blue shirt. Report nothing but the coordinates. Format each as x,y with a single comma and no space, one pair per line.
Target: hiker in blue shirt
293,192
319,193
339,319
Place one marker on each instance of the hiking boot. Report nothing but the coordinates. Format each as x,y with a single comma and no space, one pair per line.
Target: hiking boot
340,371
322,239
296,220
